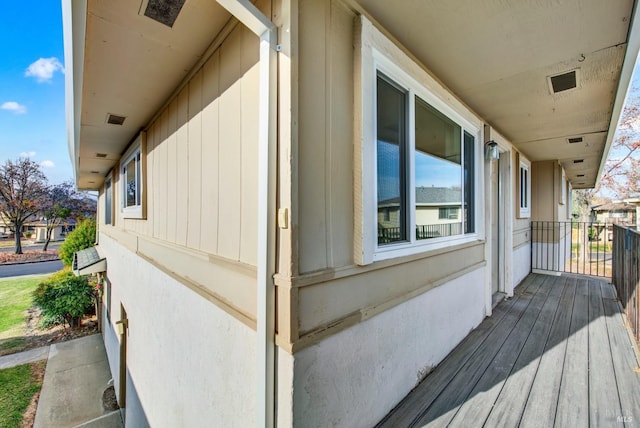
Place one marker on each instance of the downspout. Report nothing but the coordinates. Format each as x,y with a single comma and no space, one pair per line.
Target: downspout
262,26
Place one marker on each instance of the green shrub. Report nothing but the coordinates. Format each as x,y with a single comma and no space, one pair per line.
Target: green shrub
83,236
64,298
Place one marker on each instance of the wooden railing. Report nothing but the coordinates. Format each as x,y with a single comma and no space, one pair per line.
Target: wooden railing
572,247
626,244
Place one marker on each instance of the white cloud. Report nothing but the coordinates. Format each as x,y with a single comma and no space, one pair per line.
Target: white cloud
27,154
14,107
44,68
47,164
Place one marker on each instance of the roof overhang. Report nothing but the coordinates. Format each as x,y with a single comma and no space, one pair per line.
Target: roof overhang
88,261
121,62
498,57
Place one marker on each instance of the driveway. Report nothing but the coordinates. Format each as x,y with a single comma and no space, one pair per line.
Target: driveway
30,268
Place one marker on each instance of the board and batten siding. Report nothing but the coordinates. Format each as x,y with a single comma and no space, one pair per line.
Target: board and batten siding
328,291
201,180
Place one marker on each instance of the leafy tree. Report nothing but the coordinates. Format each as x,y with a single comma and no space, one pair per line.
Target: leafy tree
621,175
22,189
62,201
64,298
84,236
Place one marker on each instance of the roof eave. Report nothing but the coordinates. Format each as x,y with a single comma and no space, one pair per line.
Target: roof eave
626,74
74,18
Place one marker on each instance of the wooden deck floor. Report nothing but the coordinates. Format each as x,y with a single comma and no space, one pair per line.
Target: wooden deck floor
556,354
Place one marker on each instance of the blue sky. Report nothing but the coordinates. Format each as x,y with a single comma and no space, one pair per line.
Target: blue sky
32,117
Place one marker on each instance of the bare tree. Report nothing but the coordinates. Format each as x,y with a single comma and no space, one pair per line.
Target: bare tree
22,189
62,202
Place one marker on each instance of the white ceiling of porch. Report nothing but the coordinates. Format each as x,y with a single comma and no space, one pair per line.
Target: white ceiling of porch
496,55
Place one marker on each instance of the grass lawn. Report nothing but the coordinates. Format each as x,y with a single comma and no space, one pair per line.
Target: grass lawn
15,298
19,385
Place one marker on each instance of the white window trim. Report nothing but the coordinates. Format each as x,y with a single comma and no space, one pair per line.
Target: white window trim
136,211
378,54
110,181
563,187
524,212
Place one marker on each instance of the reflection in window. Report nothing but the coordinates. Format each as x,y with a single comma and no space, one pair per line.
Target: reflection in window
438,172
391,119
441,203
130,172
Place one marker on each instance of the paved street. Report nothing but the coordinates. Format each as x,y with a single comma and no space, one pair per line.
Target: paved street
30,268
25,246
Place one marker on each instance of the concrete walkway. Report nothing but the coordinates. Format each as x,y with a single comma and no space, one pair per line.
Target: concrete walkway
77,374
30,356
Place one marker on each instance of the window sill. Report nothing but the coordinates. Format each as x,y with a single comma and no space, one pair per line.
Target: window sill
403,249
133,213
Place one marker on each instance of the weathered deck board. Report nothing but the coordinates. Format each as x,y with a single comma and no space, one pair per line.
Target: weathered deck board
426,392
510,403
477,407
446,405
556,354
542,401
604,407
573,401
624,362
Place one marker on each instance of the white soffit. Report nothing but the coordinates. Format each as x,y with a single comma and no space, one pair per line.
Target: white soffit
496,56
132,64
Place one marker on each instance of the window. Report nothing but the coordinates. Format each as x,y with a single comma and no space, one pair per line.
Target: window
418,170
108,201
448,213
524,189
424,160
132,179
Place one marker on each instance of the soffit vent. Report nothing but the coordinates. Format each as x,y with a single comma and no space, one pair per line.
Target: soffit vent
101,155
164,11
580,175
563,82
575,140
578,161
114,119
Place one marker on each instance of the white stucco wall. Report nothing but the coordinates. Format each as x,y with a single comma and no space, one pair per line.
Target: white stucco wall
191,363
521,263
354,378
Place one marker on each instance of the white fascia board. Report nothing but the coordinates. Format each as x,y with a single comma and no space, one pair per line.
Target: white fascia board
249,15
74,20
626,74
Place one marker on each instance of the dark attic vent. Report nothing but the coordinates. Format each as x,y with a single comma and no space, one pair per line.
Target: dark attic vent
575,140
164,11
101,155
564,82
114,119
578,161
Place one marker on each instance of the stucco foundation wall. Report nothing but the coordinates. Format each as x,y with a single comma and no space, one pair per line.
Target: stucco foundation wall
521,263
354,378
191,363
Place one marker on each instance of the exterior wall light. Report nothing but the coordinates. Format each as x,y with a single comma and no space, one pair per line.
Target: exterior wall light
491,151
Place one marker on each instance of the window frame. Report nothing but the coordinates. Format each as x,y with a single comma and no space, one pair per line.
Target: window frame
378,55
137,148
108,199
524,211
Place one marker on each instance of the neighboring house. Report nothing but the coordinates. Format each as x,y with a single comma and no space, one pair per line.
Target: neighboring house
619,212
58,231
243,162
438,212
